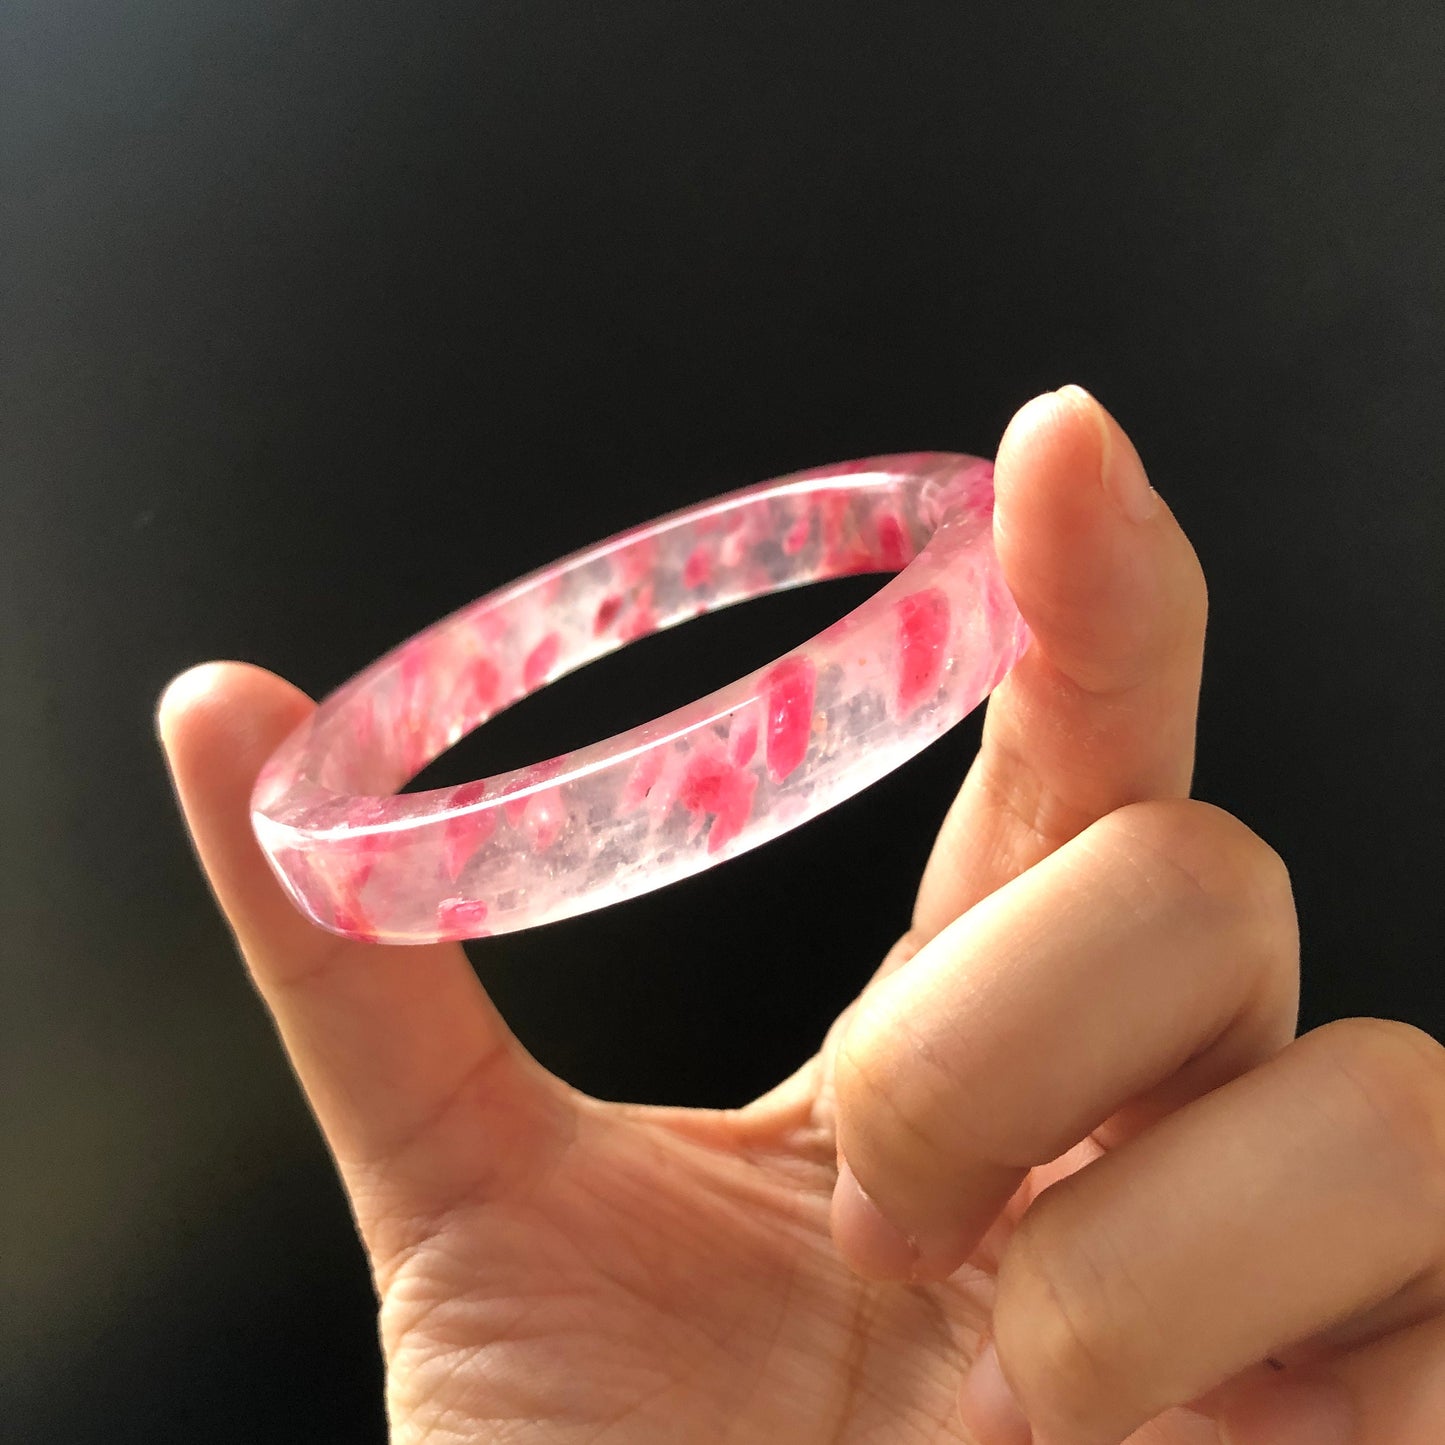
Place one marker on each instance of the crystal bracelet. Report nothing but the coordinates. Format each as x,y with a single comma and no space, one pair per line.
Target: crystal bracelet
673,796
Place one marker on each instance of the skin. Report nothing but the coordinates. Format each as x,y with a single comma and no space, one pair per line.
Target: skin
1073,1140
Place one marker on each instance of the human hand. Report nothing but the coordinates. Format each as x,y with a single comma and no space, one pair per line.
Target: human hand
1113,1179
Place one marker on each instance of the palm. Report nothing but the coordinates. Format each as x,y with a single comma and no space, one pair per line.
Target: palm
671,1277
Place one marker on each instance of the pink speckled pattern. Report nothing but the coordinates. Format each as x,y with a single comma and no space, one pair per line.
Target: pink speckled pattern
667,799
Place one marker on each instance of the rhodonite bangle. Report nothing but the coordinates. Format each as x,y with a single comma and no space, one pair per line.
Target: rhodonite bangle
671,797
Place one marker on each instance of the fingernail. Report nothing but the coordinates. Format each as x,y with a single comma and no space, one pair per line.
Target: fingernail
867,1241
1292,1412
1124,477
987,1405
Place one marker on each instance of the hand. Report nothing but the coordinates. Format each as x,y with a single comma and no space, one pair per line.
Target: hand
1097,1167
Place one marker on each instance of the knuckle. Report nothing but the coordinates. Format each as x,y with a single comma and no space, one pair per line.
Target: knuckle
1215,855
885,1100
915,1096
1398,1074
1057,1323
1198,856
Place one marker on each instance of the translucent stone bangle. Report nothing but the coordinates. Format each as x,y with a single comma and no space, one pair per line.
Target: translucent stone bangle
674,796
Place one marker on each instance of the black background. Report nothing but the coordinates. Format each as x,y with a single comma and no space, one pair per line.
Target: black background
321,319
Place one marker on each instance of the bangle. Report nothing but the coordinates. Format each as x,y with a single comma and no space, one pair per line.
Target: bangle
674,796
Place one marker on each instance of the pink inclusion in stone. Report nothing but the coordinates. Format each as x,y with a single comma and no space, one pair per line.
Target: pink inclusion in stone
607,611
697,570
362,850
834,510
539,661
349,920
743,743
711,784
922,639
480,686
796,537
643,622
893,550
466,833
463,915
636,562
790,688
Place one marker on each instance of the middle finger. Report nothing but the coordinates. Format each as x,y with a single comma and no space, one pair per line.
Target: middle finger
1146,962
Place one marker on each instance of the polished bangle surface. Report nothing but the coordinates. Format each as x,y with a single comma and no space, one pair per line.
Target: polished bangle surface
673,796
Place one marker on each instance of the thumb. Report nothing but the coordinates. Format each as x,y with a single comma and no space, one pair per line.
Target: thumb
1100,712
420,1088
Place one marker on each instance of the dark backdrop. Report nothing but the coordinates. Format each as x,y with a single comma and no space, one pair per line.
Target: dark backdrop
321,319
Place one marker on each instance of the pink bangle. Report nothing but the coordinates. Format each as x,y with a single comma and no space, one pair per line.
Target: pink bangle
672,797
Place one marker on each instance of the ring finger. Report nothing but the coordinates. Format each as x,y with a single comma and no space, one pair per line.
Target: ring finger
1295,1214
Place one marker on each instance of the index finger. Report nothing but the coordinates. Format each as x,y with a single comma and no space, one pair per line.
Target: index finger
1100,712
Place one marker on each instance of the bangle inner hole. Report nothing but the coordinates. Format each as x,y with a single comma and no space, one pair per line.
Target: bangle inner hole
646,679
